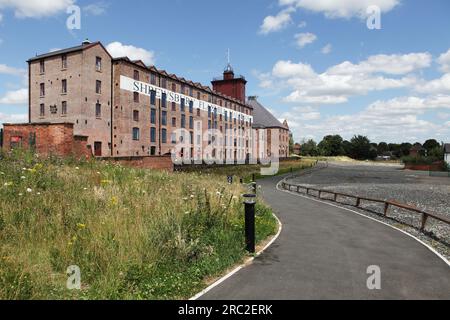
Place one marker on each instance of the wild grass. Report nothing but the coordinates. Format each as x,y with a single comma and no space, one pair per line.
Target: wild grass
246,172
135,234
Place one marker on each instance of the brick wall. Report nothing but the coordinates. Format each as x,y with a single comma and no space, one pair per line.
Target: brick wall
145,162
46,139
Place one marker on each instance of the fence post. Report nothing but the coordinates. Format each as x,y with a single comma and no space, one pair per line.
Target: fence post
424,221
358,202
386,208
250,203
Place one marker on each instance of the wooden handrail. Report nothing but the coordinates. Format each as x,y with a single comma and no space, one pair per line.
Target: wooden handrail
387,203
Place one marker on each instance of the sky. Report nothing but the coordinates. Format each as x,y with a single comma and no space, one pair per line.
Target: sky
315,63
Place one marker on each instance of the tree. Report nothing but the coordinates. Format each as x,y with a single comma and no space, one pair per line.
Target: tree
383,148
347,146
431,144
331,146
362,149
291,145
309,148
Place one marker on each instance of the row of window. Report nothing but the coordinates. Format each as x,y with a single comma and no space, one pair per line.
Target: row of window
98,64
54,110
98,87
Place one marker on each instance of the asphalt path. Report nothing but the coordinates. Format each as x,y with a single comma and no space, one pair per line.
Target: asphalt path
324,252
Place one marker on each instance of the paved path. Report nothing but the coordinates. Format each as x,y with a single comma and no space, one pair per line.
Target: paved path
324,252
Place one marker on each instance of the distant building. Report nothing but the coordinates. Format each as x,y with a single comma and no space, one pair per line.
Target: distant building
263,119
447,153
297,149
417,150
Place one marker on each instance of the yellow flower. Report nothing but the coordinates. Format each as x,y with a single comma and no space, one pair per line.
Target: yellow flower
81,226
74,238
114,201
105,182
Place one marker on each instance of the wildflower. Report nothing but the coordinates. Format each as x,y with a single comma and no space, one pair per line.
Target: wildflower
22,177
20,194
218,193
74,238
8,184
106,182
192,196
76,168
187,212
114,201
38,193
84,189
29,190
24,169
2,173
185,199
81,226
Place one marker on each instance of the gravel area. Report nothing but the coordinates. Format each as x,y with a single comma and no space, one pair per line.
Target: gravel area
389,182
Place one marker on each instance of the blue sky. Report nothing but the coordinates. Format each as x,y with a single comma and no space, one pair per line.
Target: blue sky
315,63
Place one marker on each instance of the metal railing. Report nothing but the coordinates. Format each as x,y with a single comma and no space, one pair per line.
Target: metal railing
387,203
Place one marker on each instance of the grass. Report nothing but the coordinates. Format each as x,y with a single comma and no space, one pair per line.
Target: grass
246,172
135,234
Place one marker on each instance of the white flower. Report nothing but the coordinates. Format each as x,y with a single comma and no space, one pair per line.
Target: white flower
24,169
38,193
20,194
84,189
29,190
22,177
192,196
76,168
2,173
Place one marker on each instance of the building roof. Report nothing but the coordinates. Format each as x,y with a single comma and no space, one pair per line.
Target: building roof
262,117
447,148
85,45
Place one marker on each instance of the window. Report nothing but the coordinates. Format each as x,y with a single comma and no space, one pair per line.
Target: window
64,86
174,87
182,104
164,118
153,97
191,137
136,97
183,89
164,83
164,100
174,106
42,66
209,124
191,106
209,111
152,135
42,89
64,62
135,115
98,87
98,64
164,136
42,110
198,112
152,78
98,110
135,134
191,122
173,137
136,75
64,108
226,115
174,122
183,121
153,116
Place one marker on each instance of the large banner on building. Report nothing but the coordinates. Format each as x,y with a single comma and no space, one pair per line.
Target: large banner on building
144,88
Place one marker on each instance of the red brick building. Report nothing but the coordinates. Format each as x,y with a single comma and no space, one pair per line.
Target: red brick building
123,108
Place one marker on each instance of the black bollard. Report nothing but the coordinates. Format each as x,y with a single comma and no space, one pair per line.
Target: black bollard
254,187
250,202
253,177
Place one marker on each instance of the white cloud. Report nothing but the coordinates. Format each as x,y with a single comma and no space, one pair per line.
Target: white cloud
1,17
4,69
327,49
96,9
276,23
437,86
339,83
341,8
117,49
35,8
12,118
303,39
15,97
302,24
444,61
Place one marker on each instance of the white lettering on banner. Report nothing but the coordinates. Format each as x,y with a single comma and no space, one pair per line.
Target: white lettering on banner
146,89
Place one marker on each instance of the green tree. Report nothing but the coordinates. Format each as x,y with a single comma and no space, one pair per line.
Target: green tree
331,146
431,144
383,148
291,145
347,146
309,148
362,148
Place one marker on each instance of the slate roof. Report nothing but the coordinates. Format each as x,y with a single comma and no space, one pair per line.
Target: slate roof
65,51
447,148
262,118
